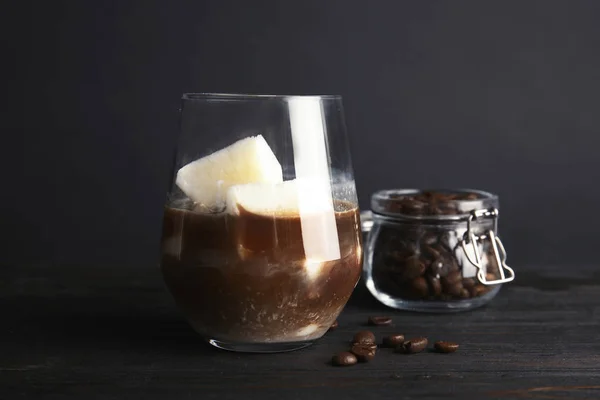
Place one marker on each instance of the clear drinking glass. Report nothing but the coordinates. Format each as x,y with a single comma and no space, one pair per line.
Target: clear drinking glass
261,244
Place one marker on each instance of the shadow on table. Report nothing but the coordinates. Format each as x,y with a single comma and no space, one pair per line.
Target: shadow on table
133,321
106,323
120,322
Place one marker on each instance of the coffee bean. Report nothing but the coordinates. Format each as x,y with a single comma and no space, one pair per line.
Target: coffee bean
432,209
442,249
447,209
393,340
445,347
343,359
468,282
479,290
454,263
432,252
429,239
412,206
334,326
436,268
441,203
474,291
413,267
486,288
395,257
419,288
490,276
448,241
409,245
394,207
443,265
454,289
364,352
452,196
464,294
364,337
452,283
379,321
435,287
452,278
412,346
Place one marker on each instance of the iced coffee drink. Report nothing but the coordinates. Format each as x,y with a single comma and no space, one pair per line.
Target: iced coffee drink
252,258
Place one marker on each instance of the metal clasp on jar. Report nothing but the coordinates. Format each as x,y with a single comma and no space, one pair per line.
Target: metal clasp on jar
470,247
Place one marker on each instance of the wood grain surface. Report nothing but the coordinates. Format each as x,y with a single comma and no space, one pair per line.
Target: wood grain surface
78,333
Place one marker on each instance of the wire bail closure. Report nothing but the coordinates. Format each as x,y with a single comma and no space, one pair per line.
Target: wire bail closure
473,254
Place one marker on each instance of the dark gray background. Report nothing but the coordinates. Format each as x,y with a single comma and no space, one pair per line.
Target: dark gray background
496,95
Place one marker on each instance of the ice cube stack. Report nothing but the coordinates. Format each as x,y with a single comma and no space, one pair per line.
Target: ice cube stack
244,175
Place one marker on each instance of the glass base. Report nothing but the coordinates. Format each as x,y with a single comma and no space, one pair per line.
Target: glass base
260,347
432,306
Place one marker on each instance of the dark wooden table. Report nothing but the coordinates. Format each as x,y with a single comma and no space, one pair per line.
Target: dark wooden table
81,333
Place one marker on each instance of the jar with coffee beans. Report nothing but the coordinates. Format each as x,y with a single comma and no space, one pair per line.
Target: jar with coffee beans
434,250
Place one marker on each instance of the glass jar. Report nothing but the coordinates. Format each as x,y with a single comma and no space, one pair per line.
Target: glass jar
434,250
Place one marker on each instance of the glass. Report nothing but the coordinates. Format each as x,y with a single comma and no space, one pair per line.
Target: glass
261,244
434,251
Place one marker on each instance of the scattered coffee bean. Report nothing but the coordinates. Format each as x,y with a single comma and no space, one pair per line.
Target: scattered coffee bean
393,340
445,347
344,359
334,326
364,337
412,346
379,321
364,352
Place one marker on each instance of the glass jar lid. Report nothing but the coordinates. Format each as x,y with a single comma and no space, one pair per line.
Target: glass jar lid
439,204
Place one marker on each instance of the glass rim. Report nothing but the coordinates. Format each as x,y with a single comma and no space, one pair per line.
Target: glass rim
248,96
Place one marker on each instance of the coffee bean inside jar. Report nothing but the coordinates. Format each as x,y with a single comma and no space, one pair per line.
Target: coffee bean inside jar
435,250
